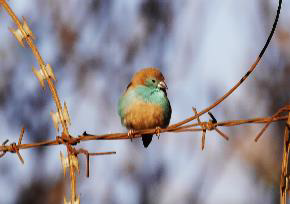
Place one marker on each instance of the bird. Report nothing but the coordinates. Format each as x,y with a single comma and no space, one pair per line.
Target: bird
144,103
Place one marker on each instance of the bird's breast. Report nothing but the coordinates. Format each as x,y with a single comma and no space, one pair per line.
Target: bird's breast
143,115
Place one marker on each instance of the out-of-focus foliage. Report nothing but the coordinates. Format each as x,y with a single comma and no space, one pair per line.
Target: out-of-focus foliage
94,47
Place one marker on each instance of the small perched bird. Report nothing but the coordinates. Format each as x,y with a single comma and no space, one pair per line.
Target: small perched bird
144,104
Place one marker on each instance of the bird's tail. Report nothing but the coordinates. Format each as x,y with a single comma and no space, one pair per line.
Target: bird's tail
147,139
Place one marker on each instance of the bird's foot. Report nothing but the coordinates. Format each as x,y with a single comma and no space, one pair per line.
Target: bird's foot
131,134
157,131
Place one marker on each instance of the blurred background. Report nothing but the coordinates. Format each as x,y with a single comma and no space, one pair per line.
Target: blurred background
202,47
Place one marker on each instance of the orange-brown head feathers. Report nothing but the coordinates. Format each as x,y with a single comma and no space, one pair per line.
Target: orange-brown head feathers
141,77
149,77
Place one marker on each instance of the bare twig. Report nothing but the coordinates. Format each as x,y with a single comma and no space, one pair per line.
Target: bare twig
24,33
250,71
221,133
281,110
284,180
118,136
13,148
88,154
202,127
3,144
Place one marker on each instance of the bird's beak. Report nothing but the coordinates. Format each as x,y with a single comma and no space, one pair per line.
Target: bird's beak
162,85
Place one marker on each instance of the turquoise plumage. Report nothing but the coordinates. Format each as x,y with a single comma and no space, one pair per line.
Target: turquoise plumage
144,103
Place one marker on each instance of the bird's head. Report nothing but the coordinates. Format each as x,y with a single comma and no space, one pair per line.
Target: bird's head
150,77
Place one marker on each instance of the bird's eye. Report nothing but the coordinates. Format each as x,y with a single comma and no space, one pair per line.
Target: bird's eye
153,80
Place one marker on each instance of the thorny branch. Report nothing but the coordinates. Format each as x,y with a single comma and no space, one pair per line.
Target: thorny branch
249,72
117,136
24,33
283,109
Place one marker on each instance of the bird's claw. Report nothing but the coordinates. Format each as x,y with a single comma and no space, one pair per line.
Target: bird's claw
157,132
131,134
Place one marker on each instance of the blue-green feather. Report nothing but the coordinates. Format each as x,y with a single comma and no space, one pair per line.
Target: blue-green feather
147,94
